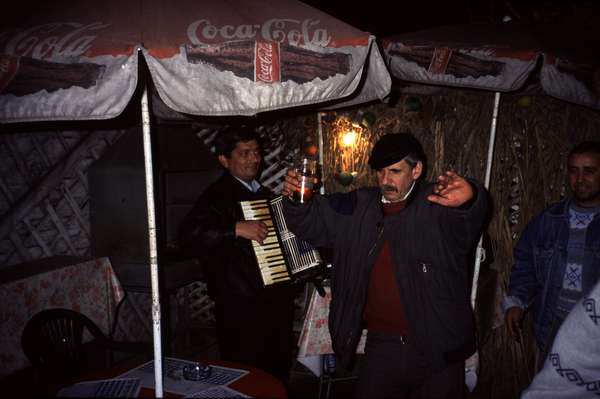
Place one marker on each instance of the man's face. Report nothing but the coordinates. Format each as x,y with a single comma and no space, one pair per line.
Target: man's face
584,178
245,160
395,180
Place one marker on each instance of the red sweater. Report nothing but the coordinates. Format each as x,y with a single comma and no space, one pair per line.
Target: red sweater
384,311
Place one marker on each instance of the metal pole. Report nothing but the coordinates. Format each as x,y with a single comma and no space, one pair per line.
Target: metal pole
320,139
488,174
158,377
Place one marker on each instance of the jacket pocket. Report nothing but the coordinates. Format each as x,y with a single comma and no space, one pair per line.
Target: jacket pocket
445,309
439,282
542,262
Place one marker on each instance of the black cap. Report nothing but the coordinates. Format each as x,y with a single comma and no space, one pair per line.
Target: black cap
393,148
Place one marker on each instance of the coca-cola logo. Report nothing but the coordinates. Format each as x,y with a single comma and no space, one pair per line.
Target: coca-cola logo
291,31
54,40
8,69
439,60
267,67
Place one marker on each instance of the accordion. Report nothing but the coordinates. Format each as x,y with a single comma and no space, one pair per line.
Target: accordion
282,256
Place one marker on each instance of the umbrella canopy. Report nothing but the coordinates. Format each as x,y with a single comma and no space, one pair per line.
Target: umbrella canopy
68,60
500,58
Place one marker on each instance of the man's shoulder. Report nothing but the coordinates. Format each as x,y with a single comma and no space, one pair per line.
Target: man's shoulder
224,184
361,192
346,203
555,210
424,188
551,214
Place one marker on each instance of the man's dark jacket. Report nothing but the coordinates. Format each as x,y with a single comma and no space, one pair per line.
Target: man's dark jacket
430,247
208,232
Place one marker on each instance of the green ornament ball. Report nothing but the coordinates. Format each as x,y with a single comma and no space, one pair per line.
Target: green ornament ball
369,119
525,101
413,104
344,178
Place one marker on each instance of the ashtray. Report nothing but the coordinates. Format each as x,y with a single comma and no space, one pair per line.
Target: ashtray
196,371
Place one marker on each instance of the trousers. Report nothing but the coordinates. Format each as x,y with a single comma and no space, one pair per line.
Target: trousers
393,368
257,333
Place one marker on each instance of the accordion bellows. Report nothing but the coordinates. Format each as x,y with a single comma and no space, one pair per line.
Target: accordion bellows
282,256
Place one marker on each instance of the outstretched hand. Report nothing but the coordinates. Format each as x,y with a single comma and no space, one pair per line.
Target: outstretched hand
451,190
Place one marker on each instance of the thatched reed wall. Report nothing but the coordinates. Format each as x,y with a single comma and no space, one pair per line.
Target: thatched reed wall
534,134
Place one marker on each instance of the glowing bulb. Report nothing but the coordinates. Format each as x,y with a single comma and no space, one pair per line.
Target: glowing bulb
349,138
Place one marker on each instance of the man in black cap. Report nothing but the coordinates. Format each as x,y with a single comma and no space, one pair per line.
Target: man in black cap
400,269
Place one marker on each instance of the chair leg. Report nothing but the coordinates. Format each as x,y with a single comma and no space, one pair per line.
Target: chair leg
321,382
321,376
320,387
109,357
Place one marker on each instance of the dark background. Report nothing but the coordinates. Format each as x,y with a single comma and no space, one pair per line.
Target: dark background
383,18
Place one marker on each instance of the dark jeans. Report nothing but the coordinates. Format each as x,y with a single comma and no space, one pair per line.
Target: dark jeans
257,333
393,369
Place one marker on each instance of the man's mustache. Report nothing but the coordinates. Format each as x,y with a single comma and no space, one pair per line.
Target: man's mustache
387,188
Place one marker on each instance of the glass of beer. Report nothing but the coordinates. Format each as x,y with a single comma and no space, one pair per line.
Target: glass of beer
306,171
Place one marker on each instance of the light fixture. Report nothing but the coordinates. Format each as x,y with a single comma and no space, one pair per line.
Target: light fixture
349,148
349,138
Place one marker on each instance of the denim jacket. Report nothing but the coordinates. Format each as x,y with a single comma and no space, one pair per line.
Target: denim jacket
539,267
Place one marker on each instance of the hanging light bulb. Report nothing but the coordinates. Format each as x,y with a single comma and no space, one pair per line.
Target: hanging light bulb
349,138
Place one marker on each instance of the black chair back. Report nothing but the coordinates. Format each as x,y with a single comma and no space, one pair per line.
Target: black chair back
53,341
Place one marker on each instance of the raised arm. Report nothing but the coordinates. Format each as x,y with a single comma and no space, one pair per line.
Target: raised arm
451,190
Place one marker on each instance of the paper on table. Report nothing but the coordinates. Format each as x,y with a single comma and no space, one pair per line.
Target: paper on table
218,392
173,380
111,388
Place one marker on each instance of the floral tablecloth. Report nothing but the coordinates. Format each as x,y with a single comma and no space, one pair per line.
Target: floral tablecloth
91,288
315,339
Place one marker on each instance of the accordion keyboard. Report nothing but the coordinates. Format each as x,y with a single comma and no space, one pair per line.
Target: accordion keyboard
269,255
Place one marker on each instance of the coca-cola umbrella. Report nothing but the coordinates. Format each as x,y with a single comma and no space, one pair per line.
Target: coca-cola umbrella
78,60
504,57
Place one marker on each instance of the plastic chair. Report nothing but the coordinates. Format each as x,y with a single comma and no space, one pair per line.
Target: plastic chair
53,341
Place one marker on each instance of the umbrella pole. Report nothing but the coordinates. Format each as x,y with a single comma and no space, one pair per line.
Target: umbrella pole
472,363
488,173
158,377
320,142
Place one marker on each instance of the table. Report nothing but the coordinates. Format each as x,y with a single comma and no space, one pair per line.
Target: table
315,340
257,383
89,286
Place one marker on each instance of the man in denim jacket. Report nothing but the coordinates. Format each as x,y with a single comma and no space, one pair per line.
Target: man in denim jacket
557,258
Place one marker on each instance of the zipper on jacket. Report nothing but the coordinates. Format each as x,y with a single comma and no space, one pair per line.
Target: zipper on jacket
379,234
